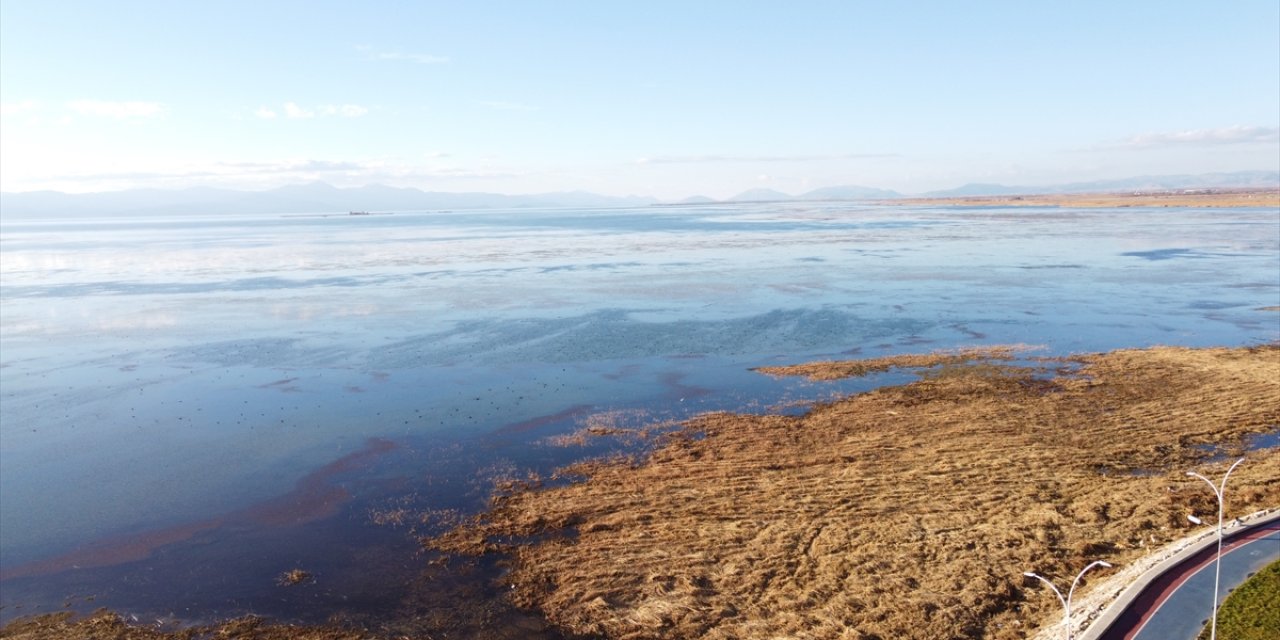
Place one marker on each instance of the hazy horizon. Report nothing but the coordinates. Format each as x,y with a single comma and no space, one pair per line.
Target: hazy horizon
664,100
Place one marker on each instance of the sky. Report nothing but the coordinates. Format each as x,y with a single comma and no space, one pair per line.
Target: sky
654,98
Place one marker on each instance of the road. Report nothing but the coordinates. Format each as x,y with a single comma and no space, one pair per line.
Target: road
1176,605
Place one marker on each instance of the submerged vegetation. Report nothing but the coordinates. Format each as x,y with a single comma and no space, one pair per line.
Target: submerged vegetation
294,577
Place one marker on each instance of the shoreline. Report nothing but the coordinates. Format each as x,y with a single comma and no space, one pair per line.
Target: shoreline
655,547
1206,198
906,512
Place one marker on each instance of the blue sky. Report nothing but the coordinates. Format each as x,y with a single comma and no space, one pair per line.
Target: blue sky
657,98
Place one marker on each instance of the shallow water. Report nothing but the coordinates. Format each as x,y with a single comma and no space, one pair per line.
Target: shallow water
173,390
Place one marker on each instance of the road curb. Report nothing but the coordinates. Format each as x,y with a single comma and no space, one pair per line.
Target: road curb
1102,623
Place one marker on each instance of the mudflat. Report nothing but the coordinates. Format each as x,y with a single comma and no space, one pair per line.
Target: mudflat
904,512
1175,198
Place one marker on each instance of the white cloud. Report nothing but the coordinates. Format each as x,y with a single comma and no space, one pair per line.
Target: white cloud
507,106
418,58
793,158
290,166
292,110
1202,137
110,109
296,111
262,174
14,108
344,110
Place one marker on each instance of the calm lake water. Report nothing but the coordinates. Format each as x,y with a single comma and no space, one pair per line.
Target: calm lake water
191,406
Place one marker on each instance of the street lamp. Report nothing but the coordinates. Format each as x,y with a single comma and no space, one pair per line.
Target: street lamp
1217,563
1066,602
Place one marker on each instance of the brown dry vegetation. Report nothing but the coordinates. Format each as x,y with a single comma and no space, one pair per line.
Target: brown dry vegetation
294,577
105,625
1208,198
906,512
856,368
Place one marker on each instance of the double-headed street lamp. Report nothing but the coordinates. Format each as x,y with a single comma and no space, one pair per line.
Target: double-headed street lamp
1218,491
1066,602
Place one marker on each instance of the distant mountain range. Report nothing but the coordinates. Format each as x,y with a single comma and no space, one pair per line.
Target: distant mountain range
1238,179
318,197
315,197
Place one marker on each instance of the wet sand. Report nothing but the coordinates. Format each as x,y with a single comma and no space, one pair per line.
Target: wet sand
1174,198
905,512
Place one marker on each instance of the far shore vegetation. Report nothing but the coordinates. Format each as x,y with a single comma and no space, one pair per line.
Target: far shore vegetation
1170,198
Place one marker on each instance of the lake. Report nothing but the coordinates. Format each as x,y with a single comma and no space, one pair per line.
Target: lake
191,406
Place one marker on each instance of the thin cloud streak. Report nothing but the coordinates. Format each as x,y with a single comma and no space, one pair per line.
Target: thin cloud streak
236,173
507,106
796,158
292,166
111,109
1201,137
294,111
15,108
344,110
416,58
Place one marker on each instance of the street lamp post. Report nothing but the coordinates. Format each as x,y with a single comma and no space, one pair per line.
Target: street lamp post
1066,602
1218,491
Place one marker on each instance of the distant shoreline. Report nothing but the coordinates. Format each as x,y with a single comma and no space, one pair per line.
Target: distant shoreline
1214,198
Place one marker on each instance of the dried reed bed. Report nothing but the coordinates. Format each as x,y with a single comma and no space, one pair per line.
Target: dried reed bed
906,512
865,366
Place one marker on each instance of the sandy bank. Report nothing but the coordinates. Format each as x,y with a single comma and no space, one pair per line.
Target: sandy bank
907,512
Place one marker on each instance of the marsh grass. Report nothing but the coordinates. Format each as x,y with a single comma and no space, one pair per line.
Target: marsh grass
905,512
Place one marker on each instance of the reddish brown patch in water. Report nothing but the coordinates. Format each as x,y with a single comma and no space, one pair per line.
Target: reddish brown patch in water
314,497
674,381
542,421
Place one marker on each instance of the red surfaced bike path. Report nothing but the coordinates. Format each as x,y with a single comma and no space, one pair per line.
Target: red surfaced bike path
1160,611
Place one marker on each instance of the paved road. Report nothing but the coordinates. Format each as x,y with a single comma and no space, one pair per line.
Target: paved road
1176,605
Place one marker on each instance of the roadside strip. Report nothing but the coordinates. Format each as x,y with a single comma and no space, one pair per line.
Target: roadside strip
1250,526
